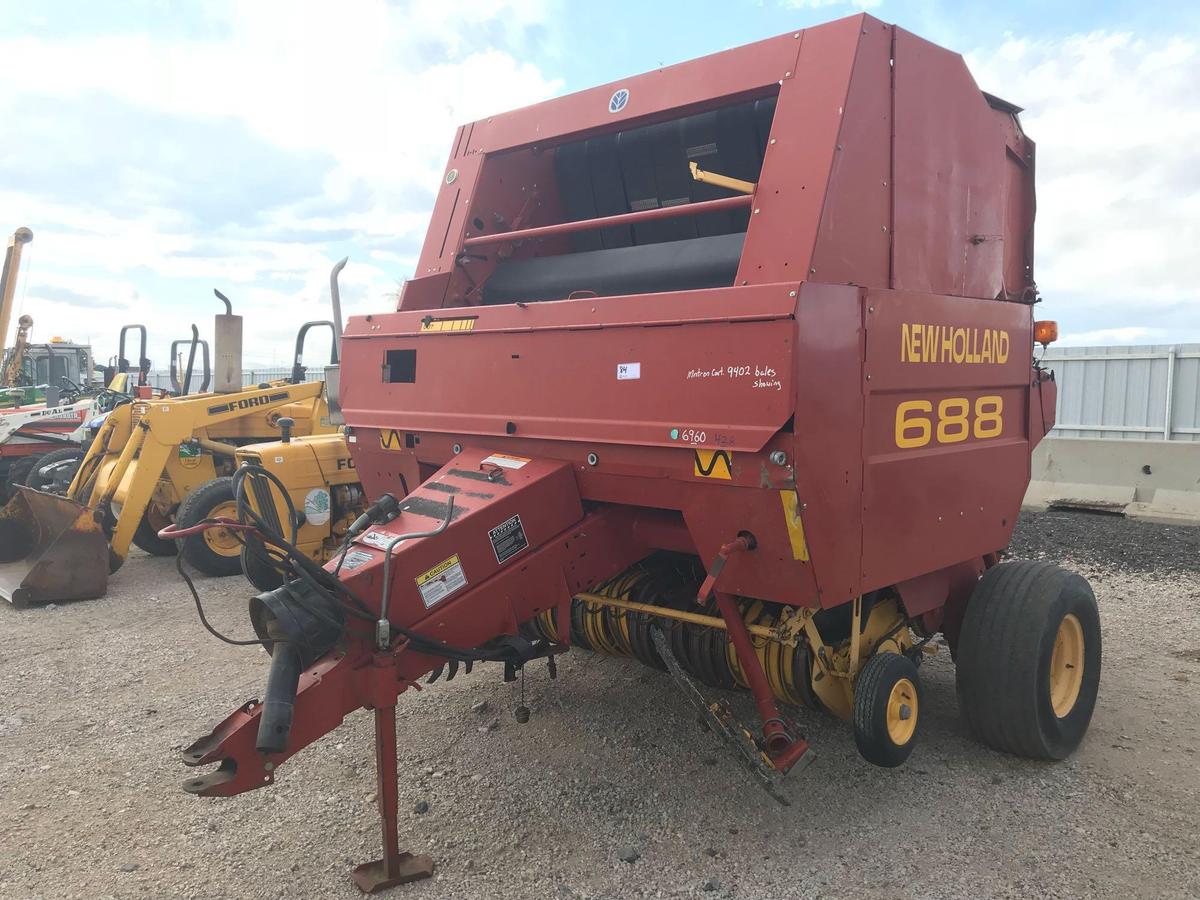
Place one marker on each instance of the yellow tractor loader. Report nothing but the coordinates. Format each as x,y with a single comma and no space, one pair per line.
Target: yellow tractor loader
140,473
304,490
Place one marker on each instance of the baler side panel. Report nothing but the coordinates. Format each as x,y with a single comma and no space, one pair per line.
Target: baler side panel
797,167
949,176
829,435
443,240
696,380
855,240
1019,215
946,437
514,189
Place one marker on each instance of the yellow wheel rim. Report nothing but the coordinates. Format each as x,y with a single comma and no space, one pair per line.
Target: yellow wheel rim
902,712
1066,665
222,541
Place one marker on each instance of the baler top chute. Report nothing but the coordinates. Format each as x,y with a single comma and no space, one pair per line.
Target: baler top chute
727,367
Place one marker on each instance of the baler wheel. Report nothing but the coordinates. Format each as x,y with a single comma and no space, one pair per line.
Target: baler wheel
1029,659
887,709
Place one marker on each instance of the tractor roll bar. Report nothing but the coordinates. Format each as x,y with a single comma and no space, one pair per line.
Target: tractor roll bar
206,361
298,367
143,362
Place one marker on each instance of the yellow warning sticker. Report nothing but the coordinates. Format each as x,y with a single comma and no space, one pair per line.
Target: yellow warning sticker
429,324
441,581
795,526
391,439
713,464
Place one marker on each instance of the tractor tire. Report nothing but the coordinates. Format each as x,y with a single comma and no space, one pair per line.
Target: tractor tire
216,551
146,537
1029,659
37,482
18,471
887,709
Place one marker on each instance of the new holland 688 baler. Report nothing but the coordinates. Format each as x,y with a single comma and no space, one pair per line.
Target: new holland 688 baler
727,367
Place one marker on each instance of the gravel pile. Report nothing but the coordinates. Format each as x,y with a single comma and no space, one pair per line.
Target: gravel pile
611,790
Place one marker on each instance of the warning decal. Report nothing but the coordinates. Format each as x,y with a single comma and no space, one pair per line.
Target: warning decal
507,462
356,558
378,539
508,539
429,324
713,464
441,581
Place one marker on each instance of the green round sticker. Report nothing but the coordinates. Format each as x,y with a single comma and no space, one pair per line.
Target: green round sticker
674,434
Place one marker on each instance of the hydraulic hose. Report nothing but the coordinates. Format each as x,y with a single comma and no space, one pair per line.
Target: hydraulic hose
275,722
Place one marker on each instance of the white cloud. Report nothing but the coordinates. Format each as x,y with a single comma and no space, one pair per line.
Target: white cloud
366,93
1116,119
823,4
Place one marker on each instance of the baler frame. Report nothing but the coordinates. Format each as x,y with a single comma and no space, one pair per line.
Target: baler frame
821,393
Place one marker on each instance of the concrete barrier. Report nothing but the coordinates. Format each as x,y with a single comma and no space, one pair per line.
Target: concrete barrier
1154,480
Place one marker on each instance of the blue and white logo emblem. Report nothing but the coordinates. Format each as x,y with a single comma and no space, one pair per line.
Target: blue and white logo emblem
617,101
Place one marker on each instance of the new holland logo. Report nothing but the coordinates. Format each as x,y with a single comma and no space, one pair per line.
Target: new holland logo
713,464
617,101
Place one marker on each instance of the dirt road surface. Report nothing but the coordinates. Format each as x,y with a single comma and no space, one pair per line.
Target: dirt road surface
97,698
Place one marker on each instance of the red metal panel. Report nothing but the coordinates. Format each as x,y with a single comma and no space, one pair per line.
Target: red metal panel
955,492
449,217
706,82
828,434
949,172
854,242
746,304
1019,211
796,169
707,383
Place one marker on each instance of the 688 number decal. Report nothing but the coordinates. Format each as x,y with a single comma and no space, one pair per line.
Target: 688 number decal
954,420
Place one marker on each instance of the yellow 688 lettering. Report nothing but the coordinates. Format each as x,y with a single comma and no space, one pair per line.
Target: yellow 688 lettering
956,420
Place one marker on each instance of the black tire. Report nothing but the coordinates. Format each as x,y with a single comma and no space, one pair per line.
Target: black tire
1013,621
37,482
18,471
198,549
146,537
887,682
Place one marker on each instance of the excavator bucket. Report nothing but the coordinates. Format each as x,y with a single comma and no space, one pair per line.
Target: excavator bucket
51,548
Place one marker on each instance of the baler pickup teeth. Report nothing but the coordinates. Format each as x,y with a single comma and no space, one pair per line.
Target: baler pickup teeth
722,720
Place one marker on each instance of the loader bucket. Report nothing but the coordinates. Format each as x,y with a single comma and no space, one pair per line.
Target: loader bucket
51,548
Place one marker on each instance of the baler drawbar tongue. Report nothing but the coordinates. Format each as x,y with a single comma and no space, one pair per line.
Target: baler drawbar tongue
51,549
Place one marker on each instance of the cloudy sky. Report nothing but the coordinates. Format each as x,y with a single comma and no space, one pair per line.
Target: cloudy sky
159,149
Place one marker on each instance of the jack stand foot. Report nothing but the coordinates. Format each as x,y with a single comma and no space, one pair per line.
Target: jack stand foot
373,876
395,867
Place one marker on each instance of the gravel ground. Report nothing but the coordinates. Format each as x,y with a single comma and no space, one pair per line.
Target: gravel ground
97,698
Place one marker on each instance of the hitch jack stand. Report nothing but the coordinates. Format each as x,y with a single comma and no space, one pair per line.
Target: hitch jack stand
395,867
